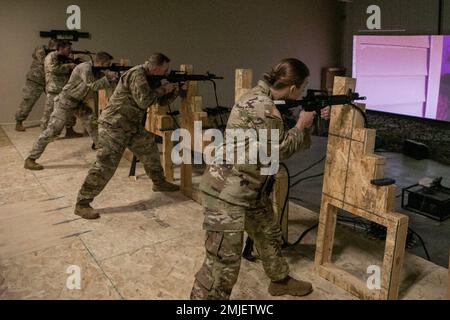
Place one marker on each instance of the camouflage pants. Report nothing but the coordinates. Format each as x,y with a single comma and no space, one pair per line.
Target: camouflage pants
31,93
220,269
112,144
64,111
48,109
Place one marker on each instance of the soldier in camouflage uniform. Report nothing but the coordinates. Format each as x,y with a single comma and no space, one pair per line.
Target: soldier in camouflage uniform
34,85
73,99
121,125
57,73
233,196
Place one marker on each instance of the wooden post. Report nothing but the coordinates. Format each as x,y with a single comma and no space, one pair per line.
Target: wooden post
243,82
191,111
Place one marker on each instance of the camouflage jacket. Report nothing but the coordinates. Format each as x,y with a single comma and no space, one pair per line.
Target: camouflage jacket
56,73
82,83
241,184
132,96
36,72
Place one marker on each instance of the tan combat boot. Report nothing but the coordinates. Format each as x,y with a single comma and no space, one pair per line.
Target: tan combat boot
165,187
70,133
31,164
86,211
19,126
290,286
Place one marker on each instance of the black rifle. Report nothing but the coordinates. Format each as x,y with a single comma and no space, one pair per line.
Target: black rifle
65,59
181,77
86,52
316,100
71,35
114,68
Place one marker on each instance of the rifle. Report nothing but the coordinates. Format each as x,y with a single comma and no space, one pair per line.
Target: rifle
86,52
181,77
71,35
113,67
316,100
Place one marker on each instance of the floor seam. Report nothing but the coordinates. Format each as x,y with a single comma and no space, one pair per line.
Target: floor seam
103,271
132,252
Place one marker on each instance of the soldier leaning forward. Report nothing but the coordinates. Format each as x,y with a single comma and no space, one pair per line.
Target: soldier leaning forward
72,100
121,125
34,84
58,66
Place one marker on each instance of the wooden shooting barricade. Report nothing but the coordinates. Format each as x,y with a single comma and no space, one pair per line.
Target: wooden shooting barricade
350,167
191,110
162,124
243,83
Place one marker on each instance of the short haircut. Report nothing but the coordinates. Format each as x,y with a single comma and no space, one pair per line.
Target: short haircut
62,44
103,56
157,59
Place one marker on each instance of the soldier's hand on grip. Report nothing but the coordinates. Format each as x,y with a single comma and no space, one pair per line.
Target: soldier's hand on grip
325,113
169,87
305,120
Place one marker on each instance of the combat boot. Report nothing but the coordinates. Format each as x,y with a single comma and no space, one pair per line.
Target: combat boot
86,211
19,126
165,187
70,133
290,286
31,164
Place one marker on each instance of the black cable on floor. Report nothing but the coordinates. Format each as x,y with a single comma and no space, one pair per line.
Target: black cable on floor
423,243
306,178
309,167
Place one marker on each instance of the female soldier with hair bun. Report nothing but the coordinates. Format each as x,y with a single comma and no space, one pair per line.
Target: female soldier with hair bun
232,193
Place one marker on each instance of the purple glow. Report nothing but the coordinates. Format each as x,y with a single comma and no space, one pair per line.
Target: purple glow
407,75
446,55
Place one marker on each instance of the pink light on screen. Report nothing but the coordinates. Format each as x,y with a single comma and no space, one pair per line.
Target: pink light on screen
402,74
443,109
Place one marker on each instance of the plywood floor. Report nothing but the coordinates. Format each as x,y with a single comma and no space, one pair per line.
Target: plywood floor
146,245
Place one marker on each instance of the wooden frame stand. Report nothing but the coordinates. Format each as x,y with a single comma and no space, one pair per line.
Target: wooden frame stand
349,169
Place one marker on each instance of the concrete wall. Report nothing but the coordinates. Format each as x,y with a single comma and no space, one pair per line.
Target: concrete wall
214,35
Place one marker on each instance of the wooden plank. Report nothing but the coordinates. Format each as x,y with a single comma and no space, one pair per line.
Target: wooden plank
393,258
166,156
102,100
128,155
347,282
243,82
187,122
342,117
325,232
